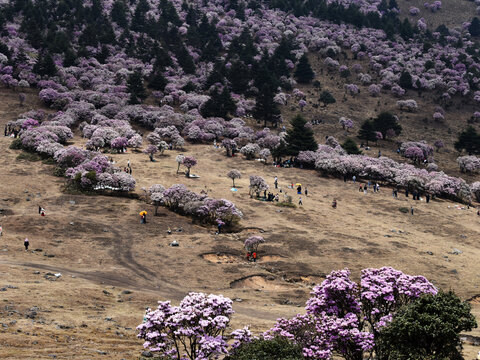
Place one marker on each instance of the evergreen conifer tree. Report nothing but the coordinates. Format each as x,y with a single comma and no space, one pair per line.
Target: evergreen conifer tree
304,73
351,147
367,132
45,66
469,140
265,108
136,88
474,27
299,137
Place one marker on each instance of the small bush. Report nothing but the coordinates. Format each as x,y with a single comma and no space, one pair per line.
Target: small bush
275,349
28,156
59,171
404,210
286,204
16,144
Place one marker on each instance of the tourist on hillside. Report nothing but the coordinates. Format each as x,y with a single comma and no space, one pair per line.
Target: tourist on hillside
248,256
300,202
306,191
1,231
427,198
334,203
26,243
360,188
254,256
276,182
411,209
354,178
299,190
128,163
42,212
365,189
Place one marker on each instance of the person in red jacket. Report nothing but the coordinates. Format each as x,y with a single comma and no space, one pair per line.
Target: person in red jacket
254,255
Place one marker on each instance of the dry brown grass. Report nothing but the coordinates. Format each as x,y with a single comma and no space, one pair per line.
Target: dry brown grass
99,245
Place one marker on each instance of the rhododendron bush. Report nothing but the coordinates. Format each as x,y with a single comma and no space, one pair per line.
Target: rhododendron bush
345,317
193,330
181,200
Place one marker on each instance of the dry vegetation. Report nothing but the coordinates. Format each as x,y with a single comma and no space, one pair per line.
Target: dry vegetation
113,267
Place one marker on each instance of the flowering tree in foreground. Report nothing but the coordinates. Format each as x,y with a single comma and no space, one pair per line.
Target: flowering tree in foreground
156,195
189,162
346,317
193,330
234,174
438,144
179,160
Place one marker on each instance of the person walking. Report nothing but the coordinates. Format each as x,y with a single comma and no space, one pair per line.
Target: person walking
299,190
411,210
254,256
276,182
365,189
26,243
42,212
300,202
39,209
1,231
334,203
354,178
306,191
427,198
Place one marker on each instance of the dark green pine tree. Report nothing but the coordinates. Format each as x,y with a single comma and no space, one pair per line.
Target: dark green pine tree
474,27
70,58
405,80
386,121
351,147
299,137
119,13
136,88
304,73
265,108
469,140
239,76
185,59
367,132
326,98
45,66
139,16
157,81
220,104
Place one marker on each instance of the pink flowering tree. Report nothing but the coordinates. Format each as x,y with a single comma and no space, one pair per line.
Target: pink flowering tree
234,174
193,330
346,317
346,123
229,145
135,141
156,195
257,185
251,244
438,144
189,162
150,150
469,164
179,159
414,153
119,144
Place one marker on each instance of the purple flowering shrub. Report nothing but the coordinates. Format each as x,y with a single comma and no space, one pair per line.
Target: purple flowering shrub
257,185
469,164
234,174
251,244
345,317
193,330
189,162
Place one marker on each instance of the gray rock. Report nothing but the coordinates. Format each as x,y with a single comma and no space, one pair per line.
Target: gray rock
429,253
106,292
147,354
28,199
126,292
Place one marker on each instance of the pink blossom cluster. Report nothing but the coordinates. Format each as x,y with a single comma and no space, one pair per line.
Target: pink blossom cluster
181,200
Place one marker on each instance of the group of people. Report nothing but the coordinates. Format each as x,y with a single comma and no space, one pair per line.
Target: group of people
252,256
365,187
11,130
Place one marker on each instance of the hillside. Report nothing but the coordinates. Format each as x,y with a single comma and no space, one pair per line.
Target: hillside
92,88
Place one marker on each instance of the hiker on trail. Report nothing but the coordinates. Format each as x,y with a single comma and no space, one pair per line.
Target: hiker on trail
42,212
128,162
265,194
427,198
299,190
26,243
360,188
39,209
276,182
393,193
344,178
248,256
300,202
6,132
411,209
379,153
365,189
254,255
219,228
334,204
130,170
354,178
306,191
277,197
369,184
406,192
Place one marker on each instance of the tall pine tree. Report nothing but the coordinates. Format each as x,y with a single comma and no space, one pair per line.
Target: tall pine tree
367,132
265,108
304,73
299,137
136,88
